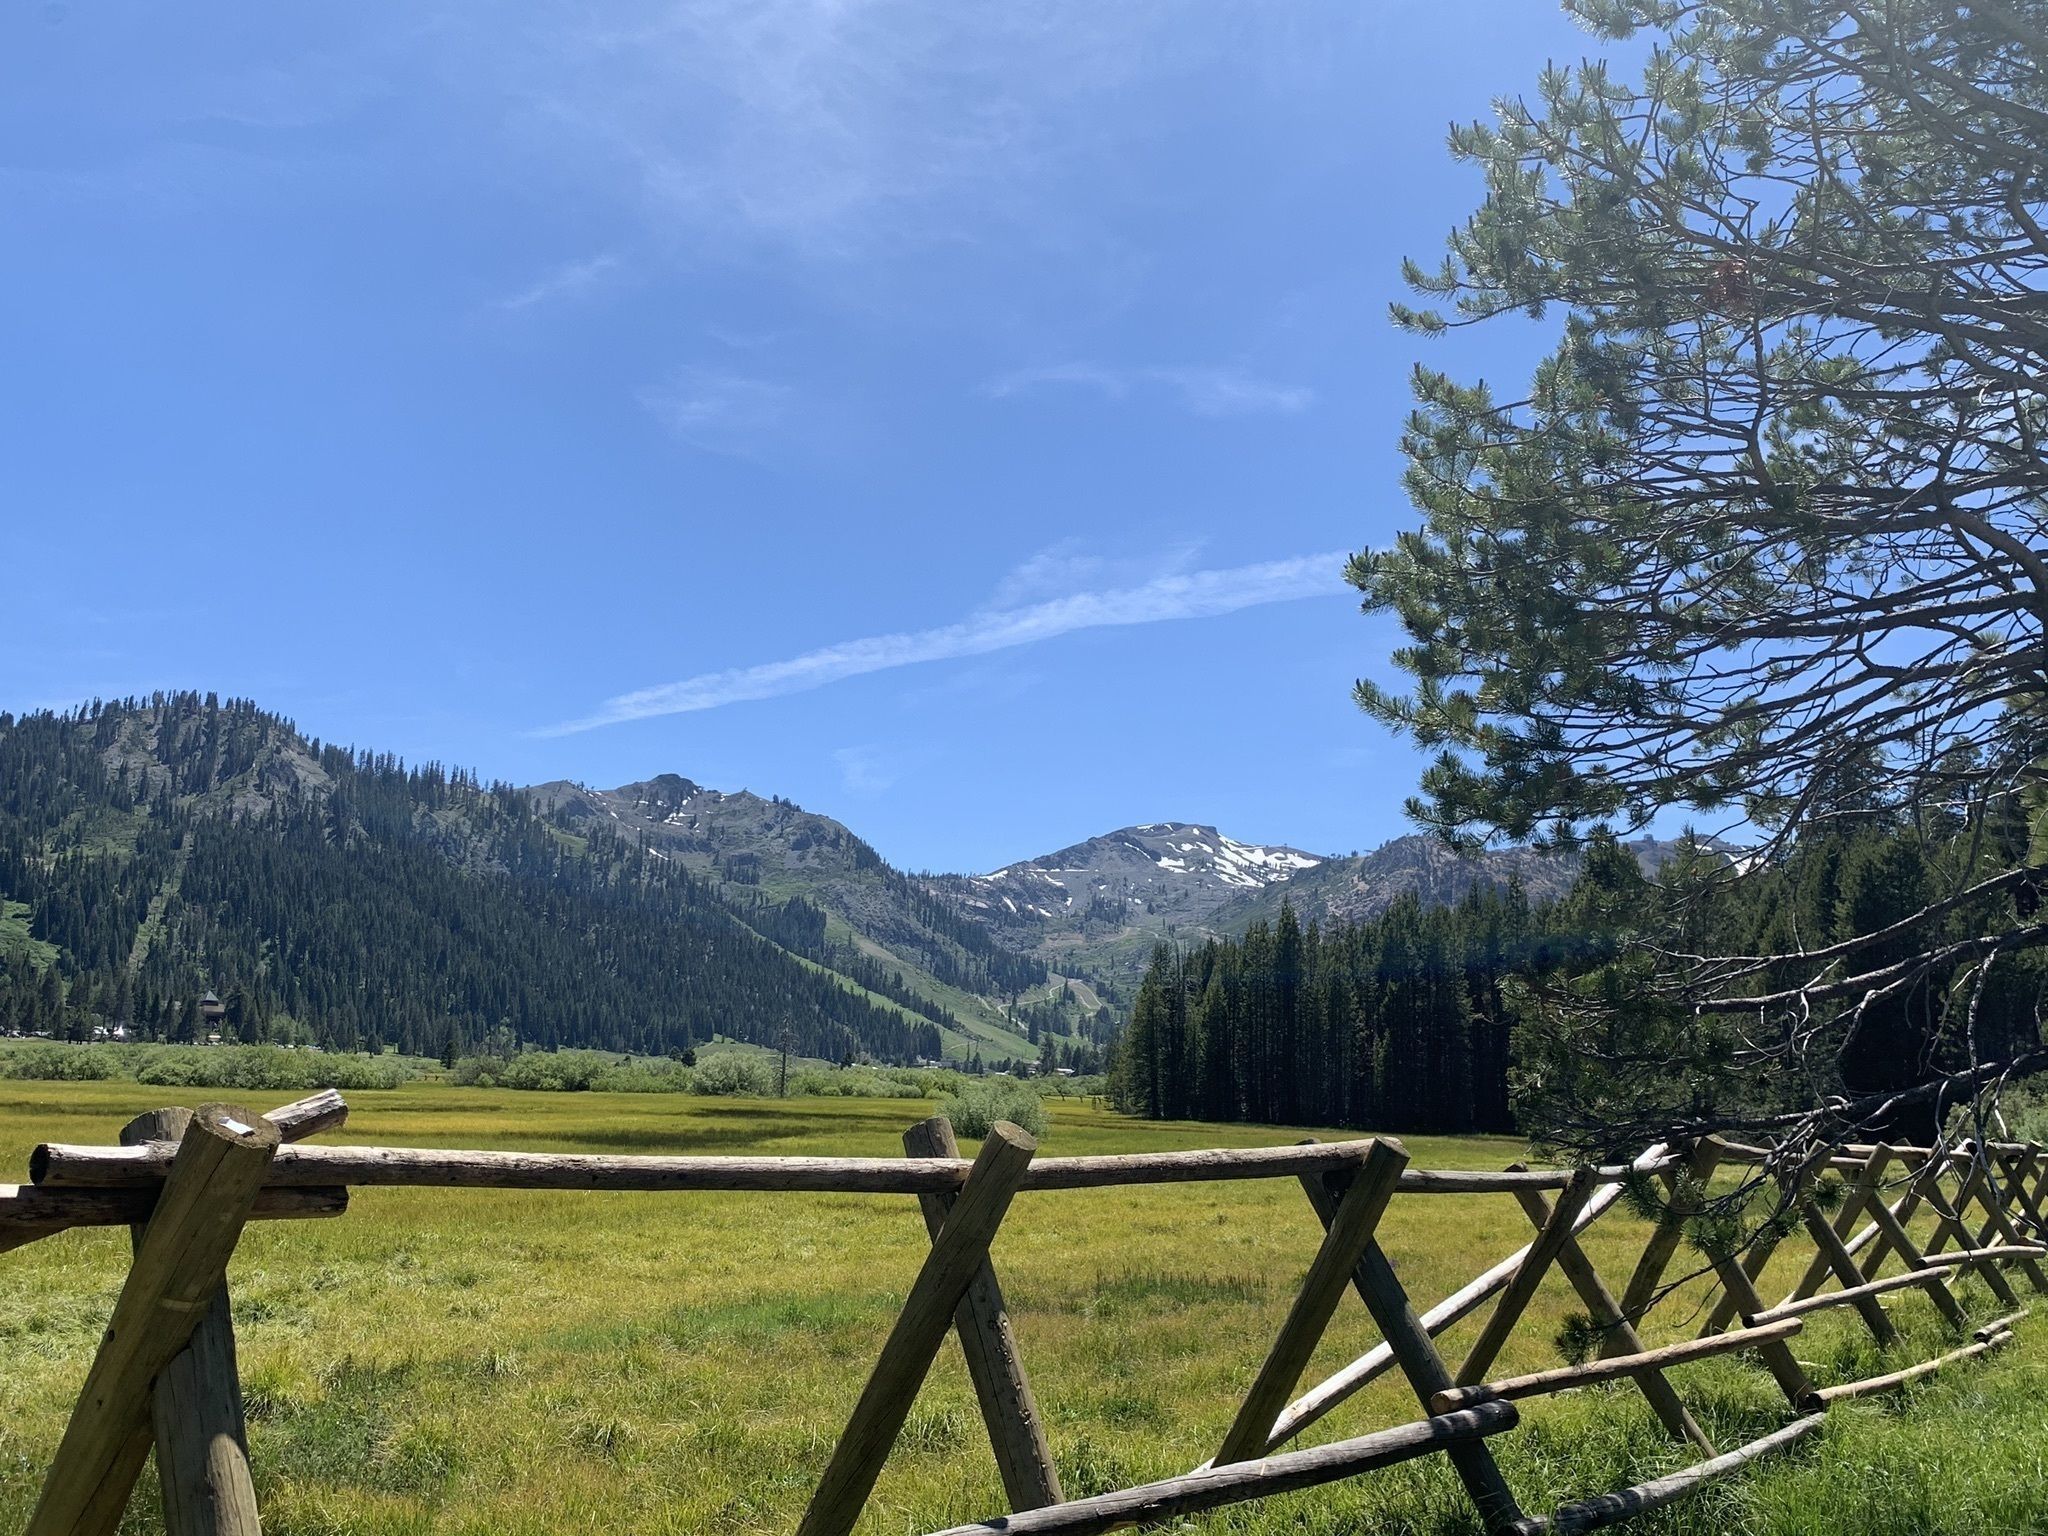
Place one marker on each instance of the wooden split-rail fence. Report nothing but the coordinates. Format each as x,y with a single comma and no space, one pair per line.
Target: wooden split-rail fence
186,1182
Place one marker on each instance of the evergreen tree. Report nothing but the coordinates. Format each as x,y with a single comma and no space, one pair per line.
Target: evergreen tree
1762,538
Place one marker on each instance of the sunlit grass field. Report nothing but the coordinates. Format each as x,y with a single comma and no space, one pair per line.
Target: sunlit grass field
479,1361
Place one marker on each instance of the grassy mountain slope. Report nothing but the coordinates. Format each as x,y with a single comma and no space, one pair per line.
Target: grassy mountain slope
166,847
751,850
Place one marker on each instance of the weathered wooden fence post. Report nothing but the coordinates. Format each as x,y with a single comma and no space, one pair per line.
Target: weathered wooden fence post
1016,1432
1997,1224
1949,1225
1893,1237
1829,1247
1901,1210
1682,1190
1854,1199
1739,1291
1750,1266
2019,1172
1555,1232
1617,1334
1414,1350
1754,1261
202,1442
956,1257
207,1196
1350,1228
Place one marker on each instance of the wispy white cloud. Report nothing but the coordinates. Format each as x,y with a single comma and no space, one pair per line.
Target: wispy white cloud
720,412
744,340
1207,391
828,128
1070,565
569,280
1182,595
837,131
1229,392
865,770
1116,383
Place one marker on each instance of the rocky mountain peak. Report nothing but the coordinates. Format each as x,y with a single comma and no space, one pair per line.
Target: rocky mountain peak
661,797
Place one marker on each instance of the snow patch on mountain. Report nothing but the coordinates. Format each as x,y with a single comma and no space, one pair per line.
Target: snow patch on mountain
1155,867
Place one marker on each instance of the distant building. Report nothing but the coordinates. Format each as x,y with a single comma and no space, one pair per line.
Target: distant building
211,1009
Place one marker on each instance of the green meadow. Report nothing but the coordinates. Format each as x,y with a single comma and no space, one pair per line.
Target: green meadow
456,1361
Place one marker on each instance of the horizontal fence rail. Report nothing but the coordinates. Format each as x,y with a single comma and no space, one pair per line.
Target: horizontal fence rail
55,1165
165,1372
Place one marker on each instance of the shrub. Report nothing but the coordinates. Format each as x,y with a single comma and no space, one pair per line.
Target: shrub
730,1073
2022,1113
644,1077
256,1068
172,1069
1070,1087
979,1105
846,1083
53,1063
263,1068
552,1071
922,1082
362,1072
572,1072
475,1071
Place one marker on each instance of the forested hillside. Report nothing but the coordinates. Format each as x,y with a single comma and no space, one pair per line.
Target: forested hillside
1393,1023
152,851
1410,1021
811,877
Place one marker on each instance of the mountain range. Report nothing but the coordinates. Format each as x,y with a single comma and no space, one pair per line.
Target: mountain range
153,847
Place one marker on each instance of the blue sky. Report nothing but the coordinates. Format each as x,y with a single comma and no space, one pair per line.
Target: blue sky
950,417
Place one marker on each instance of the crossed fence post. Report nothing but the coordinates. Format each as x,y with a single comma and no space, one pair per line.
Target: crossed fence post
1897,1239
1736,1277
959,1254
1618,1334
1408,1342
165,1372
1350,1203
180,1261
1980,1185
1949,1226
995,1365
1885,1234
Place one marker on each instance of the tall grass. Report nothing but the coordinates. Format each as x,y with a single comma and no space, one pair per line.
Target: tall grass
467,1361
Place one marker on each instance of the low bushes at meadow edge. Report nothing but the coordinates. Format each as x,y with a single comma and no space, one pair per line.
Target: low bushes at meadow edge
572,1072
737,1074
265,1067
728,1074
971,1103
980,1102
